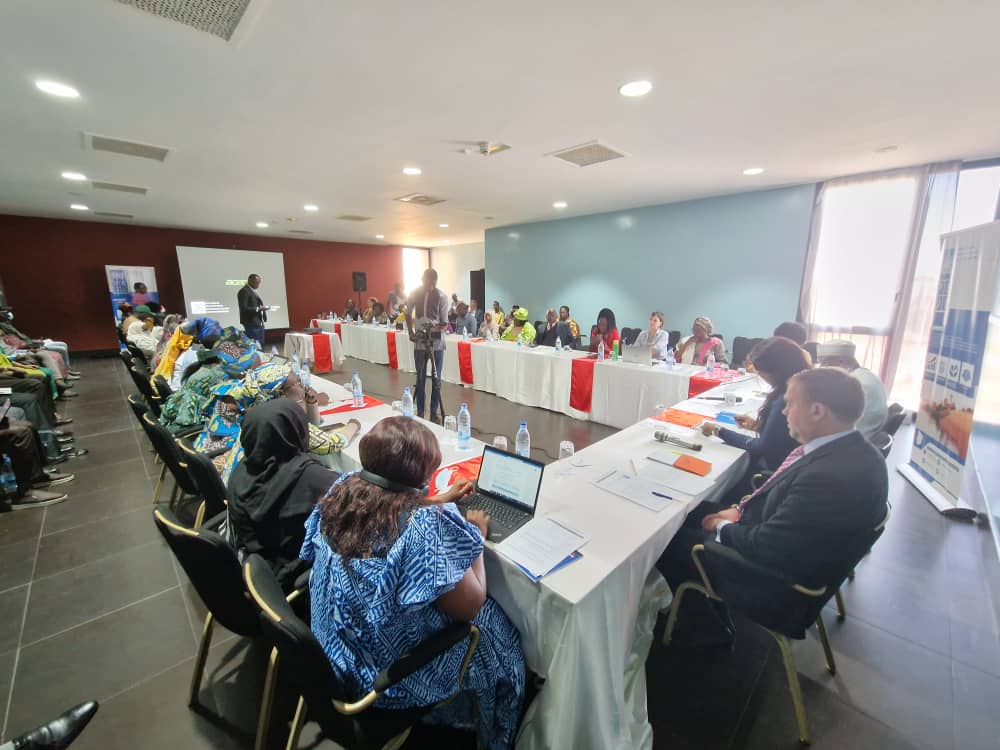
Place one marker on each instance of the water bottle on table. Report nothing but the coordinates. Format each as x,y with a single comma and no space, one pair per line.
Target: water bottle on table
522,443
407,402
600,351
670,358
558,346
710,363
306,374
295,362
464,428
356,391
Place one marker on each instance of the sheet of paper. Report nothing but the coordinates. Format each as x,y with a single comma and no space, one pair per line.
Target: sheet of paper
638,489
6,391
661,471
540,545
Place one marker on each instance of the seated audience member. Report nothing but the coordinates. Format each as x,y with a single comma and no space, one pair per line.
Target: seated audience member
401,313
840,353
144,335
350,311
29,367
827,493
552,330
776,360
38,395
606,330
465,321
185,408
19,440
391,566
58,348
489,329
655,336
368,316
476,312
797,333
574,327
275,487
170,324
694,350
182,350
133,317
519,329
498,315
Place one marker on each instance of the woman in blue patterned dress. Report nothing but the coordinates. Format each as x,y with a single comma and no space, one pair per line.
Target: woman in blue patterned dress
391,567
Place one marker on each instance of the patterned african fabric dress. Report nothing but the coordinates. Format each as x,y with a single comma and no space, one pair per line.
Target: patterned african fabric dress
368,612
230,400
184,408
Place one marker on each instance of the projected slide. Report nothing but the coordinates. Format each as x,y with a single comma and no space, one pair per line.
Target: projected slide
211,278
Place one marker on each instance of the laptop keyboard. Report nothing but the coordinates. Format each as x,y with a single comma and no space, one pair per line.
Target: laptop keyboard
500,513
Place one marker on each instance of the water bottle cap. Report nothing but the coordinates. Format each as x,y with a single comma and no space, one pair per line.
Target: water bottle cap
465,405
524,424
355,373
406,389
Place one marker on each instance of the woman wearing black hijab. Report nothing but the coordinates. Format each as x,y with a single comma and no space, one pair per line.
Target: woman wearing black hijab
275,487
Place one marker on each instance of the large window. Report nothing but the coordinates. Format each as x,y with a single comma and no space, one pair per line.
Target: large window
416,260
978,195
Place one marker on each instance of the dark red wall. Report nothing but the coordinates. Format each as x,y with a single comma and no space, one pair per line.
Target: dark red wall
53,272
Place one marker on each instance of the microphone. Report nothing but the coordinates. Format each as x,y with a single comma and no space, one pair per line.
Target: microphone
666,437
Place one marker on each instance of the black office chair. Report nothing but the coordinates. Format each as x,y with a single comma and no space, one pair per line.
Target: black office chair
142,385
206,478
137,354
126,357
785,608
895,418
883,441
356,725
813,348
161,387
166,448
629,335
742,346
215,572
673,338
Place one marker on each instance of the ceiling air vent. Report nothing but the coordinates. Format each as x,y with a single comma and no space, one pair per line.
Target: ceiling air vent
420,199
217,17
300,231
353,217
126,148
113,215
120,188
587,154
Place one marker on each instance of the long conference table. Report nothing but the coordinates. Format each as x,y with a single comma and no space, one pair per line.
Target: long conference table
587,628
618,394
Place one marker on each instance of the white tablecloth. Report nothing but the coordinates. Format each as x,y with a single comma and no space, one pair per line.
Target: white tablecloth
625,392
588,627
302,345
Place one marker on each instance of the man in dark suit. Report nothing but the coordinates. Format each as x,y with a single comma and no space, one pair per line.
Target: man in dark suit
825,498
553,329
253,311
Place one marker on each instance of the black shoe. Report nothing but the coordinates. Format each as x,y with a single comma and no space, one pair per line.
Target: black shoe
65,440
59,732
64,420
52,478
62,433
52,460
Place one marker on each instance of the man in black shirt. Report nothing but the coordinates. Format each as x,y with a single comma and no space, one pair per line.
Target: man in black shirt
253,311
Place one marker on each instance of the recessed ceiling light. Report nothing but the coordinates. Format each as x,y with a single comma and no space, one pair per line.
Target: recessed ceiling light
75,176
412,171
380,236
57,89
79,207
635,88
310,207
751,171
560,204
443,226
262,225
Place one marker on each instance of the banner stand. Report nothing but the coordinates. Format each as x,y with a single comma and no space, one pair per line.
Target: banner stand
958,509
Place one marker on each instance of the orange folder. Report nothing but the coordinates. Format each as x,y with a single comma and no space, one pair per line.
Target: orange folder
680,417
694,465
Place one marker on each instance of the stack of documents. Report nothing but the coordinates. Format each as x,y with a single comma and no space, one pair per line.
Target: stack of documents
542,546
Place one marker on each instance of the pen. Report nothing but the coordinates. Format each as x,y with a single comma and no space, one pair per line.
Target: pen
660,494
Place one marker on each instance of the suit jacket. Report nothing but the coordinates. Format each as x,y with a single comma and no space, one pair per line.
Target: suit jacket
545,337
249,301
816,518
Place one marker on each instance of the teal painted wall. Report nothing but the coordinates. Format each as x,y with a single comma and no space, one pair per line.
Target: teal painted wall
736,258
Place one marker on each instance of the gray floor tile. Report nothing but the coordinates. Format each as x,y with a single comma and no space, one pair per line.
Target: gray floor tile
101,658
110,479
16,562
82,544
11,617
127,493
67,599
7,660
977,697
20,525
107,450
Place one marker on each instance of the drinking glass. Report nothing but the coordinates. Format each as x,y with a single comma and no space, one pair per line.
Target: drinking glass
566,449
730,397
451,424
500,443
397,407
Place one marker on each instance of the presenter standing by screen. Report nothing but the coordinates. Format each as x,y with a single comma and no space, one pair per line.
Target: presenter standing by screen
429,305
253,311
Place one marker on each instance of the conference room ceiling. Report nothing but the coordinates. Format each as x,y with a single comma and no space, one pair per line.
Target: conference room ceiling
322,102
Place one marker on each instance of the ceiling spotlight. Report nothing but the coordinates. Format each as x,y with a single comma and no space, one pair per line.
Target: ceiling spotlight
560,204
751,171
75,176
262,225
412,171
79,207
380,236
443,226
57,89
635,88
310,207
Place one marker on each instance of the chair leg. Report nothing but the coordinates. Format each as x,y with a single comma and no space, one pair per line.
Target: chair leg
199,517
297,721
851,574
199,662
841,609
159,485
793,686
267,701
675,607
831,665
398,741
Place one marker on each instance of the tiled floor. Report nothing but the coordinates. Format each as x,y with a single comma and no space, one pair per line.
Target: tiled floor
93,606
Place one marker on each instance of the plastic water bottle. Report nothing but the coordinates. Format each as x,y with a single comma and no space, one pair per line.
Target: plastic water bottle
522,443
356,391
407,402
558,344
306,374
670,358
600,351
519,342
465,333
8,480
710,362
295,362
464,428
274,351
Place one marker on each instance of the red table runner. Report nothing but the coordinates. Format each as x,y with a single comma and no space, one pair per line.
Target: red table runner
390,344
704,382
322,361
336,330
314,323
467,470
465,360
349,406
581,388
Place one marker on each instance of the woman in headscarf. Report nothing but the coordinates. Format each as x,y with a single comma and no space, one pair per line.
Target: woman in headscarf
489,330
520,330
187,407
694,350
170,323
175,360
275,487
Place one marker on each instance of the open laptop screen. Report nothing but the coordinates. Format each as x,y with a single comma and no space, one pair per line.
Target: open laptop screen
510,477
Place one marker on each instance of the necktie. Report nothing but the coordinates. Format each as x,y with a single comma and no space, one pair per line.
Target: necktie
790,459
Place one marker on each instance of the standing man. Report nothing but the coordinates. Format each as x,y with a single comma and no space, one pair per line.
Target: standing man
253,311
476,313
394,299
430,308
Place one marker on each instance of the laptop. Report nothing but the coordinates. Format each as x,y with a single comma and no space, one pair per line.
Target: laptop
507,489
641,355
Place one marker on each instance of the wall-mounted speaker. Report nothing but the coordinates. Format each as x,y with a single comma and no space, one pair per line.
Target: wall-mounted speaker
360,281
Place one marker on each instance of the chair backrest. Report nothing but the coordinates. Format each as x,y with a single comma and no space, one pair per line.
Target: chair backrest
673,338
813,348
629,335
895,418
883,441
163,389
138,406
126,357
142,385
214,570
742,346
207,479
137,354
166,448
